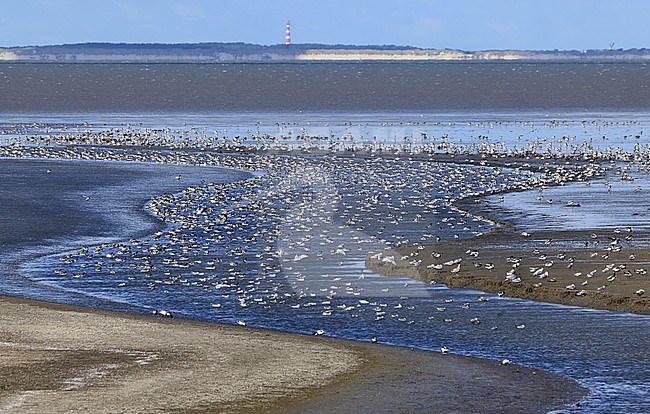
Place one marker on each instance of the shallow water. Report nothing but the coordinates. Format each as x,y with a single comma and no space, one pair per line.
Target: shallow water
53,205
285,251
551,131
614,201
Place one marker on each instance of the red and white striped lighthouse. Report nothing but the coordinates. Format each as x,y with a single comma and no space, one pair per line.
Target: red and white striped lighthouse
287,34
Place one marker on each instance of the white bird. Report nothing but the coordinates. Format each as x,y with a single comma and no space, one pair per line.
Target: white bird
164,313
389,259
444,350
453,262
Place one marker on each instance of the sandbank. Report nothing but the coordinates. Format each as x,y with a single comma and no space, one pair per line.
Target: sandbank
591,269
61,358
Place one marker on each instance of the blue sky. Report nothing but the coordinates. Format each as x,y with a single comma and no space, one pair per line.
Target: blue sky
459,24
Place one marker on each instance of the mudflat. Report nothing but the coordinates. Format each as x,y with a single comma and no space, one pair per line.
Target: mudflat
598,270
58,358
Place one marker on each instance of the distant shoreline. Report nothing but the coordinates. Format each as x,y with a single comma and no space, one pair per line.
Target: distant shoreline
327,62
248,53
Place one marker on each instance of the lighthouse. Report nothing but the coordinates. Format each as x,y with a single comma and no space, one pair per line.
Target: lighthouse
287,34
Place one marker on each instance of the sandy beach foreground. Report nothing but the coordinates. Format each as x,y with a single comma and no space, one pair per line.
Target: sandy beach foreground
56,358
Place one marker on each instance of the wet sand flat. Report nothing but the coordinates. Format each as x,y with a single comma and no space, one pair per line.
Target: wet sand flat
62,359
597,270
57,358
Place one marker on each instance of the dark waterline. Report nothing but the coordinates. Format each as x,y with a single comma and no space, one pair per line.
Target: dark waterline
324,87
